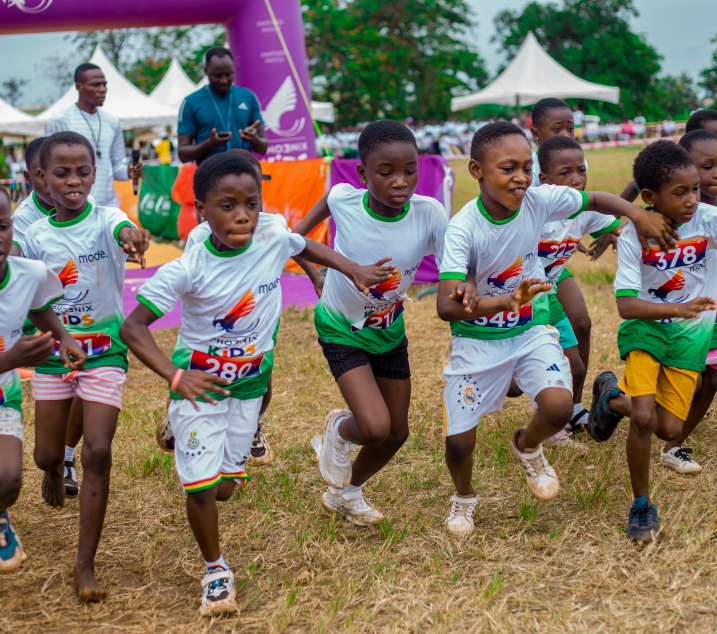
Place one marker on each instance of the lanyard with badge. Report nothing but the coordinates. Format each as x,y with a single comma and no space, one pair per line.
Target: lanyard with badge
225,126
98,152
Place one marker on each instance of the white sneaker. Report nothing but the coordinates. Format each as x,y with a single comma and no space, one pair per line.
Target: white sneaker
678,459
542,481
460,517
335,457
564,440
219,592
352,506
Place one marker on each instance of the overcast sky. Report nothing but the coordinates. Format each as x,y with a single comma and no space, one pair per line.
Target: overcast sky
680,31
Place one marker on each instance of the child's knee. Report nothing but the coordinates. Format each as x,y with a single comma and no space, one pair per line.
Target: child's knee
48,459
642,420
582,325
709,379
225,490
459,448
376,430
558,409
97,460
10,485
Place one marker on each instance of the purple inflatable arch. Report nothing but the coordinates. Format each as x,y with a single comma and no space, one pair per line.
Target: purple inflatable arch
261,60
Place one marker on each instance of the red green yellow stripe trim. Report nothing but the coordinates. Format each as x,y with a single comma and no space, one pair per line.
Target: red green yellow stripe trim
239,475
193,487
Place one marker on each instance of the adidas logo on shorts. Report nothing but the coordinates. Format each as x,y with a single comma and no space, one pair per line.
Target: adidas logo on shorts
554,368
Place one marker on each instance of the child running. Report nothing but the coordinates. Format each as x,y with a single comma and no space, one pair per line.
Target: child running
669,321
231,303
562,163
607,413
363,337
86,246
261,452
30,289
495,237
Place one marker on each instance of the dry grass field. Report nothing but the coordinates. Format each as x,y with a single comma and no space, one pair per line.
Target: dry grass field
563,566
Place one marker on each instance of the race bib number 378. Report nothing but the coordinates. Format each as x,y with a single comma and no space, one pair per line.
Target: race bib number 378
230,368
505,319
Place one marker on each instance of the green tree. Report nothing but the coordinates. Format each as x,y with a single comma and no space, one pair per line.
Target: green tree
709,75
676,95
114,43
390,59
593,39
11,89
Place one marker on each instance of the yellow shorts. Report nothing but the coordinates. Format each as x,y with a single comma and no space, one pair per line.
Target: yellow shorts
674,388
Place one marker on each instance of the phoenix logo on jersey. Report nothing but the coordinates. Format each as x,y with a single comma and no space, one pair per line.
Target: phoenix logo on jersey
242,309
70,275
509,279
379,291
666,292
685,253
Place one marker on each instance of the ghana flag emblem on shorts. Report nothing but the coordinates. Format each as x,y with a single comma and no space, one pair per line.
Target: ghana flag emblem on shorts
69,274
243,307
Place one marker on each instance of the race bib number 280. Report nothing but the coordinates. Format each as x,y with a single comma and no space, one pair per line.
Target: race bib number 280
230,368
505,319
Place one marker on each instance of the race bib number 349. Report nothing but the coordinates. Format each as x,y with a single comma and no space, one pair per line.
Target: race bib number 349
230,368
505,319
93,343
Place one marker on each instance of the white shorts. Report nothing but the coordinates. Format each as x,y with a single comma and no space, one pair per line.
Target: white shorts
11,423
212,444
478,374
99,385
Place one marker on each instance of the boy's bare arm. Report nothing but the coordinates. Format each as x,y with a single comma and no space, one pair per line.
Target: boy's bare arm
636,308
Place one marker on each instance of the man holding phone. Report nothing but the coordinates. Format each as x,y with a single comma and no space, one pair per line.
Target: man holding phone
220,116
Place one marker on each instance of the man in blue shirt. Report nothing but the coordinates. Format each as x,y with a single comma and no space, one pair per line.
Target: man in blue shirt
220,116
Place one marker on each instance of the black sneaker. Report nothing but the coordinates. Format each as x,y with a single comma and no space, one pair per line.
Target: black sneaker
602,421
643,524
71,488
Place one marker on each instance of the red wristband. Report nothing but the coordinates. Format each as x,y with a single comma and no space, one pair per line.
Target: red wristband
175,379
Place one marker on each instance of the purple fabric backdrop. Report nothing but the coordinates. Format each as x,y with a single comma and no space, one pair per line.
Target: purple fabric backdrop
296,290
261,63
430,183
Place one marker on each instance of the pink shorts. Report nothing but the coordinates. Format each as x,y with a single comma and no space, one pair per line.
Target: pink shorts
99,385
712,358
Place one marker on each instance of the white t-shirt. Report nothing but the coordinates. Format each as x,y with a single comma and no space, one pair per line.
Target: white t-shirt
104,132
536,169
679,275
28,287
202,231
231,303
28,212
500,254
374,322
85,253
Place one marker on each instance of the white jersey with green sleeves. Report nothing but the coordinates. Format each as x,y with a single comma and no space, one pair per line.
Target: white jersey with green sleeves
374,322
536,169
231,304
28,287
500,254
86,254
677,275
28,212
202,231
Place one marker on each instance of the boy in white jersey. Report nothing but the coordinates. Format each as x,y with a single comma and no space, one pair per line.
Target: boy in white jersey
607,413
27,288
86,246
663,296
495,237
562,163
231,303
363,337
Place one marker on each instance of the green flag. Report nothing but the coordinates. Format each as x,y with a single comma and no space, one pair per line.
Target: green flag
157,211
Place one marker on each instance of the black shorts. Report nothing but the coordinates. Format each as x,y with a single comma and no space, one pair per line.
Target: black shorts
392,364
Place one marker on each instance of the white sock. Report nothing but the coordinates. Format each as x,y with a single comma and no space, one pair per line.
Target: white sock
69,453
218,562
349,489
336,430
577,409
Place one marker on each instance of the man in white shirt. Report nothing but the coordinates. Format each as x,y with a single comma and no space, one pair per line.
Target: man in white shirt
101,129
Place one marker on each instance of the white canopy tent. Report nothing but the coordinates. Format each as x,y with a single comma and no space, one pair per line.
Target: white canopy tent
14,121
174,87
534,75
124,100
